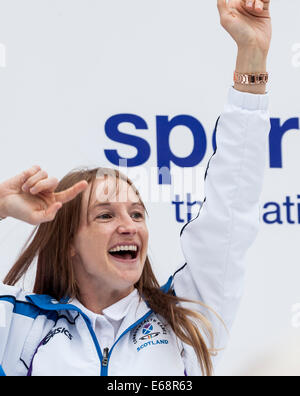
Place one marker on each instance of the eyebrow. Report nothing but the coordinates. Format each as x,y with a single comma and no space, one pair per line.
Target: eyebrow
100,204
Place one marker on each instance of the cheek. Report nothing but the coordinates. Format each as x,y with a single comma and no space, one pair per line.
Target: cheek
145,237
92,242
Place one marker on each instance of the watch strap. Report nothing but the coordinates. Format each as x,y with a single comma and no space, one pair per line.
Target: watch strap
251,78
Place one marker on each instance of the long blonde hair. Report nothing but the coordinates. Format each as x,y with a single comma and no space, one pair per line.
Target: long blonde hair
50,243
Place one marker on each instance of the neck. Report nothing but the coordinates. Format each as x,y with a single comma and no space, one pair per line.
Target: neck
97,297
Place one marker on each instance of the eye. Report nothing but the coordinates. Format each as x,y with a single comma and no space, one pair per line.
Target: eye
104,216
138,215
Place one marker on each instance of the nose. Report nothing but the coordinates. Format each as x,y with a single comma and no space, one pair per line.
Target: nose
127,226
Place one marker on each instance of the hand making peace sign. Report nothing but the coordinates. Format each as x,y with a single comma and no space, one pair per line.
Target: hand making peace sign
30,196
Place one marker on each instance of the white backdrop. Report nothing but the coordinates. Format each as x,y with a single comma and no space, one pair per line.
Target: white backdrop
67,66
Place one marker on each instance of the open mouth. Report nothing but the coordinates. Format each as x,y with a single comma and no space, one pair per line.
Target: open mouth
125,255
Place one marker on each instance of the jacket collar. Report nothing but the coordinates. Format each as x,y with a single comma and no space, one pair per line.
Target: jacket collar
47,303
115,312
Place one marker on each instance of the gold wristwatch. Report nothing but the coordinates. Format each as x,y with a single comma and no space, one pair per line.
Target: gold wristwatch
251,78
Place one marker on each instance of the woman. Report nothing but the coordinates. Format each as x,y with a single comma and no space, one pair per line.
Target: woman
97,307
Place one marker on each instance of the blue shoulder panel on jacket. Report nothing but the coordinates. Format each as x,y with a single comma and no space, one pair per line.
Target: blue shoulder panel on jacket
22,307
2,373
41,301
165,288
48,303
27,309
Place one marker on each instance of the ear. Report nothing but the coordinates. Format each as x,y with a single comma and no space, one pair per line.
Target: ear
72,251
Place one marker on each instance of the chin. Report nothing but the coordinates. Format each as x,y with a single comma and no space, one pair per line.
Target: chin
130,279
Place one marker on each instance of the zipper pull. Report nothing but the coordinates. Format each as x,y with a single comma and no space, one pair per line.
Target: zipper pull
105,357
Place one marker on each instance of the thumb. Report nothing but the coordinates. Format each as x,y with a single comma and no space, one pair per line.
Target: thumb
222,7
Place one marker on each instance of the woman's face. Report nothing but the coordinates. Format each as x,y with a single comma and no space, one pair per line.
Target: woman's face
110,247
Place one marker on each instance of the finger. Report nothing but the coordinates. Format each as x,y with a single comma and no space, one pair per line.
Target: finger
249,3
222,7
50,184
266,4
71,193
259,5
40,175
46,215
20,179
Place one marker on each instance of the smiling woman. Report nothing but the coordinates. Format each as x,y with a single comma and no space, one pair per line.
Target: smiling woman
85,237
97,307
94,254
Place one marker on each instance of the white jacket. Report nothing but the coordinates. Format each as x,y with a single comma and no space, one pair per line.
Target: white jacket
40,336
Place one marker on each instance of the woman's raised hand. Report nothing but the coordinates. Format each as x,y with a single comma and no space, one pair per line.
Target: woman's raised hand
248,22
30,196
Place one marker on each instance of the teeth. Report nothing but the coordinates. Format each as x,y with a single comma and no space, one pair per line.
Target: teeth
121,248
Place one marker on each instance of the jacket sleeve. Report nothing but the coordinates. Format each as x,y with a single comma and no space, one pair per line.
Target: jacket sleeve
214,244
14,326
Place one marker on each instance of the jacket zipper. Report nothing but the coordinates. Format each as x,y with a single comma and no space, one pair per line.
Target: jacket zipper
105,357
107,352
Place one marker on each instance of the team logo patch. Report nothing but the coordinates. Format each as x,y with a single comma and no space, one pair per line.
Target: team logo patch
149,331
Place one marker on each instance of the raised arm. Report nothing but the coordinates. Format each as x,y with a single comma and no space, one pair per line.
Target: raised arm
250,27
216,241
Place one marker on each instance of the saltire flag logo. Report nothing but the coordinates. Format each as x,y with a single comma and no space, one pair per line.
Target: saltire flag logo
147,331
